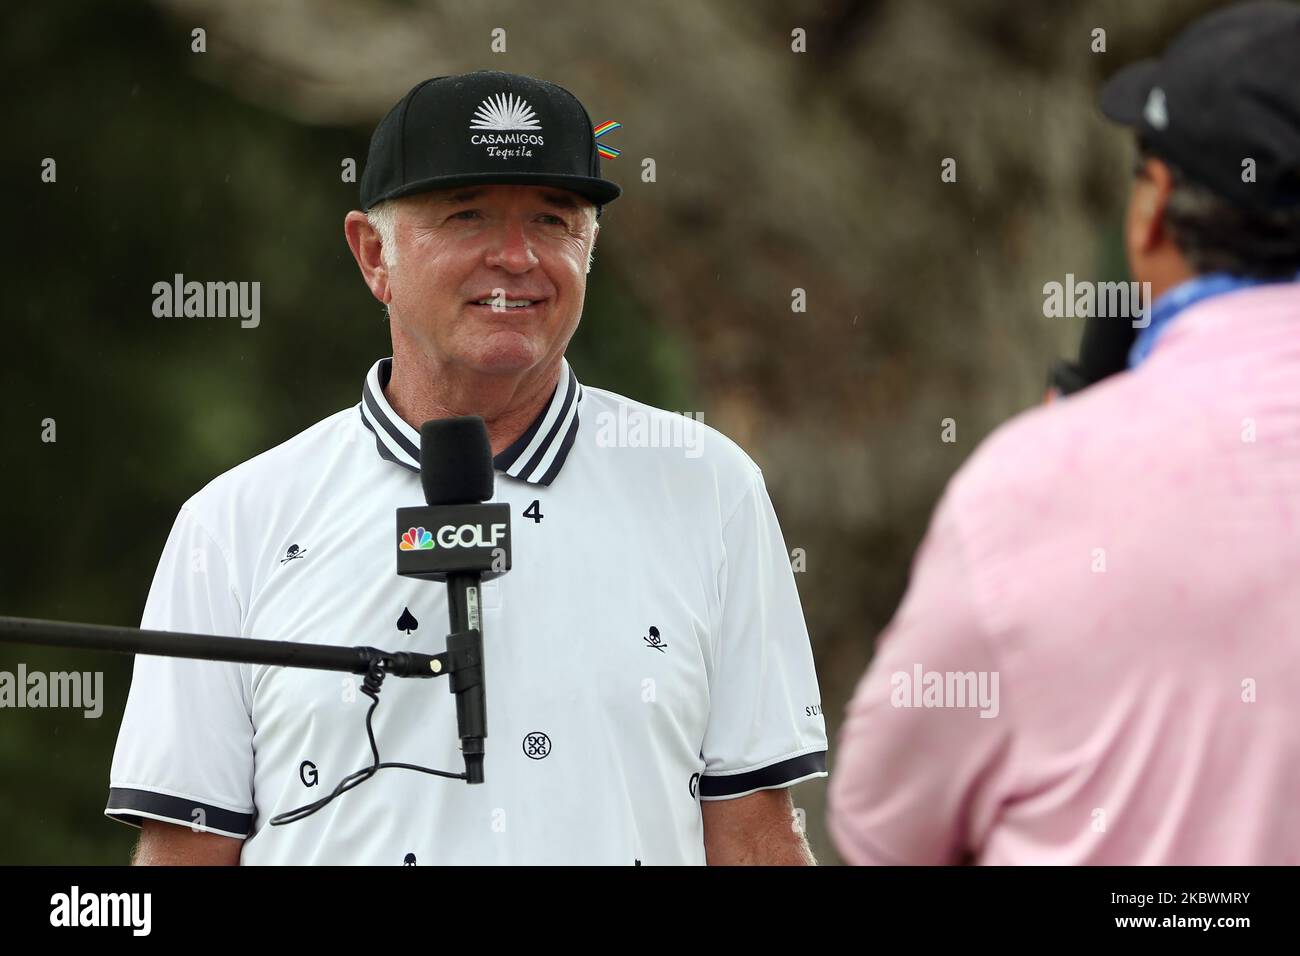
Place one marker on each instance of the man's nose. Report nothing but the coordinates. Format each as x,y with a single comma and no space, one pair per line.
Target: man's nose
510,248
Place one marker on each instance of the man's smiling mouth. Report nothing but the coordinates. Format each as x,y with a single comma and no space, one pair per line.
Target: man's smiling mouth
507,304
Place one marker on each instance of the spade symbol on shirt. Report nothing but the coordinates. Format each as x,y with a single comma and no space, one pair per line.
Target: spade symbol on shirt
409,860
407,621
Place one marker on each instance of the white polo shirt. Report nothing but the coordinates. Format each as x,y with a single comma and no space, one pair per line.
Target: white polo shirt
646,651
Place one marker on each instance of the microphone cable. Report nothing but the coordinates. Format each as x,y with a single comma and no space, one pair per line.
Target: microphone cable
371,686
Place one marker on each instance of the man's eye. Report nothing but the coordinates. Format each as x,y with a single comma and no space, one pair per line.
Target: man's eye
553,219
465,214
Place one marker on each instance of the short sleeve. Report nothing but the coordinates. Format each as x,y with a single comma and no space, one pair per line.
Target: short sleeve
185,748
765,729
918,757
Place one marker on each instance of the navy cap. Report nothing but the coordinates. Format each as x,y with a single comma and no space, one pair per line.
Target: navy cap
1227,89
484,127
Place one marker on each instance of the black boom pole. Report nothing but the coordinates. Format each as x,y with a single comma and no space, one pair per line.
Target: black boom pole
209,647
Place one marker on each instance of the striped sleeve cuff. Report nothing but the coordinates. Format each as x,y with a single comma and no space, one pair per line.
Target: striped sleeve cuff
783,773
132,806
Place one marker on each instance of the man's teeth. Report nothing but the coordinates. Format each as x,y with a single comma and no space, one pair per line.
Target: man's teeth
507,303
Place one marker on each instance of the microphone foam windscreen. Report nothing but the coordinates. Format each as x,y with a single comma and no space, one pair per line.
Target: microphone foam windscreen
455,461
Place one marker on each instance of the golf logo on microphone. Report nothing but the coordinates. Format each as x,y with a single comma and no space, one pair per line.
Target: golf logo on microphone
433,540
450,536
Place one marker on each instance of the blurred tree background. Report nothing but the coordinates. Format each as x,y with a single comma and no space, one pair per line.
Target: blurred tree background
775,171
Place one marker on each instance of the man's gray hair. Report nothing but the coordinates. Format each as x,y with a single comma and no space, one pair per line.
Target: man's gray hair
383,219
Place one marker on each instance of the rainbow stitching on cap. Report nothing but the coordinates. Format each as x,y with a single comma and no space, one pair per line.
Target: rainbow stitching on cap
607,152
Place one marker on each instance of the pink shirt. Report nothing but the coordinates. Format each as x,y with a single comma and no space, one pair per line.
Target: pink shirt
1119,574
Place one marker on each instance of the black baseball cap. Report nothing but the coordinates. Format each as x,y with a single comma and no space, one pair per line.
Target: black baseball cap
484,127
1227,89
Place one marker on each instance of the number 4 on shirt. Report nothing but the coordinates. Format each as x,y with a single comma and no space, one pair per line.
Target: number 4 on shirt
534,511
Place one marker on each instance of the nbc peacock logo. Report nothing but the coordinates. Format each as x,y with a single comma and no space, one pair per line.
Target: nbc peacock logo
416,539
505,111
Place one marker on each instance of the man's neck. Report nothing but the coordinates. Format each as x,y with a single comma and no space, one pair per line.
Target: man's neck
420,390
1165,272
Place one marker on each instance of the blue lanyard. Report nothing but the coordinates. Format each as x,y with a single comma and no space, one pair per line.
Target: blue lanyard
1183,296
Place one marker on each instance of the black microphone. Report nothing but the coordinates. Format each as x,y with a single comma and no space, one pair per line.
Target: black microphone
459,539
1103,352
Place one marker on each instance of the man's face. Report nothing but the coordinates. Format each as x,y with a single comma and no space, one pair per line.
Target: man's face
465,260
1146,241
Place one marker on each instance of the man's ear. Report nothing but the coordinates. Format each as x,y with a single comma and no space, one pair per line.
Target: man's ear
1151,198
367,248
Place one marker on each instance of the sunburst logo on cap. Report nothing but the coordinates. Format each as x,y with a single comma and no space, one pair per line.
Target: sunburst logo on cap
1155,111
503,112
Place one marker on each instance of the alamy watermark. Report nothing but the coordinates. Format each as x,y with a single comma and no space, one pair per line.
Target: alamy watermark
956,689
1085,300
80,690
208,300
633,428
74,908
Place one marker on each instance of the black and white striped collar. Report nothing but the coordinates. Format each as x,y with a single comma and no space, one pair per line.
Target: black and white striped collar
536,456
